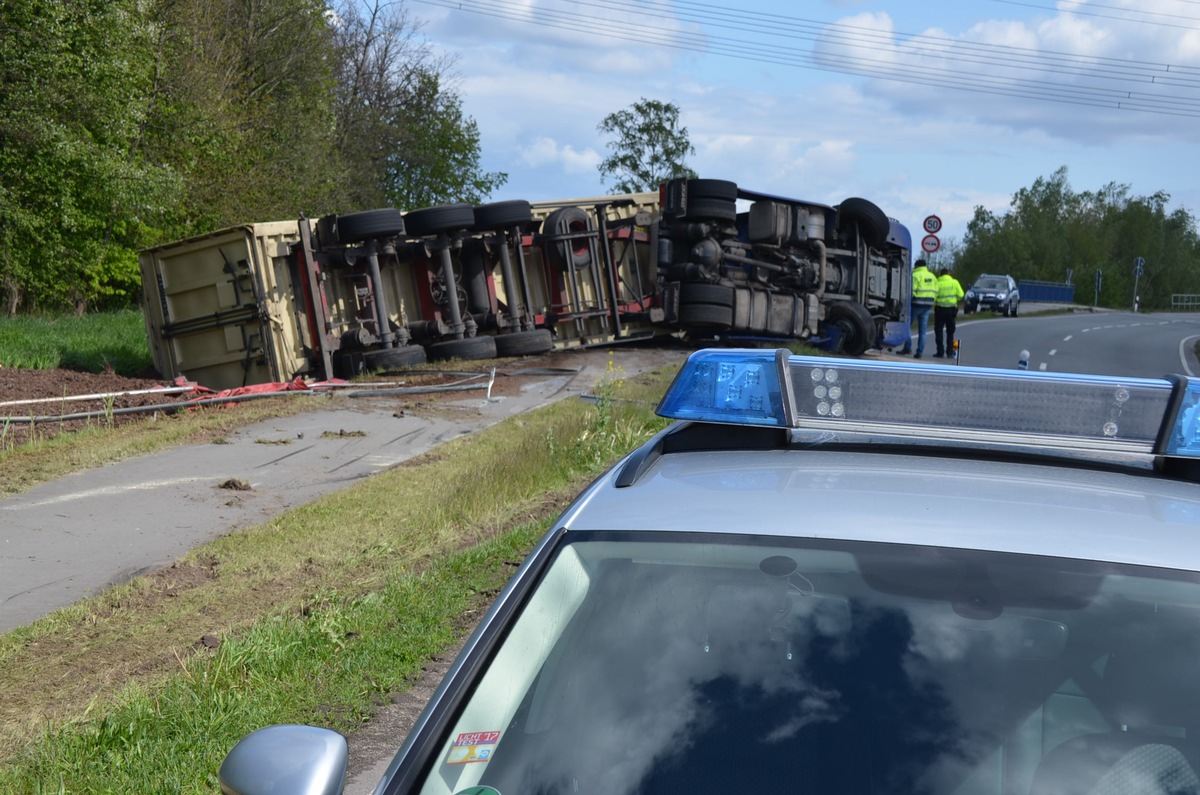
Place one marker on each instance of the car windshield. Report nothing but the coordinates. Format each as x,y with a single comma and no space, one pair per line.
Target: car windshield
735,665
991,284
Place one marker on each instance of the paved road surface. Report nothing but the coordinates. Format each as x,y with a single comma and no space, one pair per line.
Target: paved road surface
72,538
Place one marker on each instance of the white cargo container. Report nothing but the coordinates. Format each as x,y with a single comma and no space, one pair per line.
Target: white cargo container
221,308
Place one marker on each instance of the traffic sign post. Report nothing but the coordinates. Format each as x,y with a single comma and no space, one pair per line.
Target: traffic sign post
932,225
1139,265
1096,300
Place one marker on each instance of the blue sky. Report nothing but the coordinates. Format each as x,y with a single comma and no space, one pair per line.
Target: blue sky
932,107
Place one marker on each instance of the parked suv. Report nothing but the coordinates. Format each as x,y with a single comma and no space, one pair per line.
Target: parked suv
997,293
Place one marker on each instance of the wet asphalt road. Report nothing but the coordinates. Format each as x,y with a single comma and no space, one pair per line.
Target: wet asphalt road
72,538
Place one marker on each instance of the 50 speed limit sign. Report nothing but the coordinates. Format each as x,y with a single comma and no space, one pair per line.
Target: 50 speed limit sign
933,224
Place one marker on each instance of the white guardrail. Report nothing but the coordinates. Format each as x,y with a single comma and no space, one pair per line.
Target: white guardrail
1185,300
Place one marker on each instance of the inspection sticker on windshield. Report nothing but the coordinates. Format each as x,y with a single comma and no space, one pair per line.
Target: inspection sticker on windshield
472,747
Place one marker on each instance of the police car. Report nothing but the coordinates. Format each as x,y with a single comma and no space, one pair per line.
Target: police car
838,576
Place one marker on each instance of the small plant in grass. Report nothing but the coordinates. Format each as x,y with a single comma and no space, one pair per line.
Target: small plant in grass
617,426
107,407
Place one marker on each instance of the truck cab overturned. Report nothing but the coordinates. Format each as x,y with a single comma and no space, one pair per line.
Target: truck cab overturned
783,269
384,290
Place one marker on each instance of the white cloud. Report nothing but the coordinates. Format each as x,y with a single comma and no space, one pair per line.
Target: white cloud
953,130
547,151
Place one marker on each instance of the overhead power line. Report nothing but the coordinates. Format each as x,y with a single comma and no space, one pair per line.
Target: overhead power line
940,61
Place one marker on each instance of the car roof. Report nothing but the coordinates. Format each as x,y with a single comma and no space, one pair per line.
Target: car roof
1002,504
1126,493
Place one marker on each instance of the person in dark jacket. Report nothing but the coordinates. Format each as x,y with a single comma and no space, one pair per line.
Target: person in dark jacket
945,313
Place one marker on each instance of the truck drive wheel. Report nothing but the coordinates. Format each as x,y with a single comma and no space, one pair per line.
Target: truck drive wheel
704,209
704,293
873,223
712,189
705,316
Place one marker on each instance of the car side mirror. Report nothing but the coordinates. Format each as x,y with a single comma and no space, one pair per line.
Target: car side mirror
280,759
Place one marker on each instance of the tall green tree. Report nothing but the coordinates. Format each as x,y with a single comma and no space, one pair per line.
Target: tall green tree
438,159
126,123
242,108
401,131
648,147
76,201
1050,230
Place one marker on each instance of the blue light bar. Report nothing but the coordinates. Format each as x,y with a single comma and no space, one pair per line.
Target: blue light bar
1183,441
731,386
1012,408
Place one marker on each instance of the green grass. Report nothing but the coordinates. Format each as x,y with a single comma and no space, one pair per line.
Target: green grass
95,343
330,666
321,614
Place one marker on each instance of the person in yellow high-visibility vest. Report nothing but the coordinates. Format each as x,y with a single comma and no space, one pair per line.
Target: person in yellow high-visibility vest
945,313
924,293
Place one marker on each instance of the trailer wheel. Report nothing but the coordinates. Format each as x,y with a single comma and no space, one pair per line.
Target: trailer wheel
432,220
873,223
855,324
503,215
705,209
568,253
368,225
704,293
468,348
712,189
393,358
707,316
524,343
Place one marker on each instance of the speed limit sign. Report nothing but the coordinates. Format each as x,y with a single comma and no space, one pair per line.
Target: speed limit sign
933,224
930,244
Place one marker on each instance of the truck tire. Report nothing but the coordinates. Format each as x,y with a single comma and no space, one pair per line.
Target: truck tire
873,223
397,358
503,215
855,324
704,293
705,316
468,348
432,220
524,343
710,209
712,189
568,254
368,225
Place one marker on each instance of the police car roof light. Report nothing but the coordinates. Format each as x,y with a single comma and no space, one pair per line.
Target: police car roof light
1014,408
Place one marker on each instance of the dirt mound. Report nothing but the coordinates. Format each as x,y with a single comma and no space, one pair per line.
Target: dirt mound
45,403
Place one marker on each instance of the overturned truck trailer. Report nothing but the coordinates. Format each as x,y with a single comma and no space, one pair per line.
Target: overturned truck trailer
383,290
